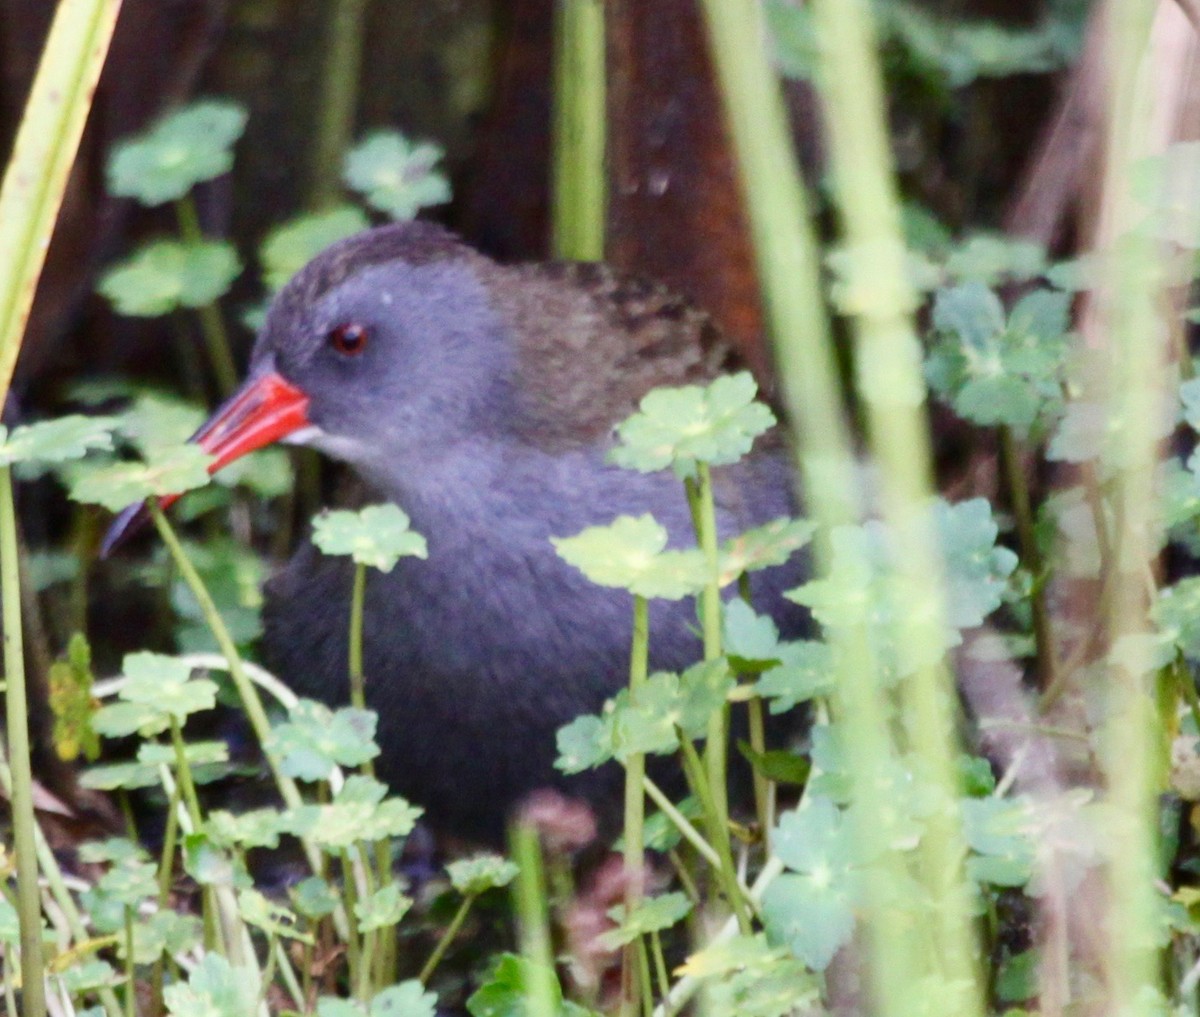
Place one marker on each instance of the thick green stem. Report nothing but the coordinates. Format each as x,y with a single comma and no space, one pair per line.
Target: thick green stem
533,919
212,324
579,130
33,990
336,114
447,937
130,967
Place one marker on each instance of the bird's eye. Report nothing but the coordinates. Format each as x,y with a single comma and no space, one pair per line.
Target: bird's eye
348,338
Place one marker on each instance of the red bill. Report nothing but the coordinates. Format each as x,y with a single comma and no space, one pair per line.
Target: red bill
262,411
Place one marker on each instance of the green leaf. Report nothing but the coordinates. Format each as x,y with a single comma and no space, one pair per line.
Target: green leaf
203,759
779,765
214,988
748,977
384,908
508,989
55,441
314,898
408,999
1017,979
804,672
764,547
164,932
812,908
71,702
129,882
258,828
630,554
272,918
377,536
359,812
209,865
584,743
166,684
181,150
315,738
164,472
1000,833
992,259
680,427
473,876
653,914
397,176
168,274
288,248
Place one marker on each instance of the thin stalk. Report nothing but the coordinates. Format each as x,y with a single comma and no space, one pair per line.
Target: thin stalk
889,380
660,964
42,155
1018,489
529,895
212,324
762,786
647,982
269,971
130,972
251,702
166,869
339,98
635,800
183,773
578,188
447,937
353,947
288,973
358,688
689,832
33,990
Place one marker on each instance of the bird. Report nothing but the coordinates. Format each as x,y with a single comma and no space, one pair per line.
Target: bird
481,398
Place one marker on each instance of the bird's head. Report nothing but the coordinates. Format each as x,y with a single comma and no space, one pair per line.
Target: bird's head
381,351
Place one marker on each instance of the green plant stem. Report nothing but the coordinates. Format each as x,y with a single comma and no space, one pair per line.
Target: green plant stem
578,188
762,786
288,973
660,964
529,894
635,800
689,832
183,772
59,892
340,74
700,494
42,155
166,869
212,324
353,946
1043,633
447,937
130,967
647,982
358,688
33,991
693,768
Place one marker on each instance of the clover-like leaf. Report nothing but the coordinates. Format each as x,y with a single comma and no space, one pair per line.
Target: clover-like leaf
164,932
377,535
680,427
473,876
764,547
288,248
507,991
584,743
651,915
129,882
164,472
359,812
315,898
804,672
272,918
55,441
168,274
166,684
995,370
204,760
385,907
258,828
746,975
210,865
214,988
811,908
630,554
315,738
1000,833
407,999
397,176
192,145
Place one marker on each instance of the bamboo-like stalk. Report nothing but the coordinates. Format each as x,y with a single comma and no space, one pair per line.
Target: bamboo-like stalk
43,154
339,99
1128,320
881,303
579,181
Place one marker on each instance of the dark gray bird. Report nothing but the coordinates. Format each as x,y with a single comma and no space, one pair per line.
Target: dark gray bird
481,399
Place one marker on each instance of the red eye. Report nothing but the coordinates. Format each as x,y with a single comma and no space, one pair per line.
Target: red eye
349,338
